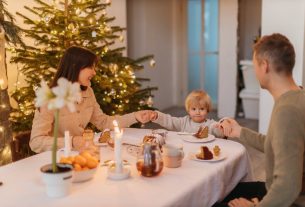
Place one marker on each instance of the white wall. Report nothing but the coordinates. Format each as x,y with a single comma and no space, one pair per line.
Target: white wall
288,18
117,9
228,10
152,30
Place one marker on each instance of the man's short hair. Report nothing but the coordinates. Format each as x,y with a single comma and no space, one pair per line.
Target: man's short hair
198,98
278,50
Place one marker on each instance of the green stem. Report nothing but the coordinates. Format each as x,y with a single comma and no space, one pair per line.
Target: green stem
54,147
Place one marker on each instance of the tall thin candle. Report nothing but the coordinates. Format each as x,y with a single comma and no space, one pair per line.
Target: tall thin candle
117,146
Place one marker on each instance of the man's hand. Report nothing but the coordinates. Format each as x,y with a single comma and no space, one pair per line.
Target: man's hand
230,128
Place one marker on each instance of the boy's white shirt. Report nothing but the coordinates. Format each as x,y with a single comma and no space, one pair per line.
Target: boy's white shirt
186,124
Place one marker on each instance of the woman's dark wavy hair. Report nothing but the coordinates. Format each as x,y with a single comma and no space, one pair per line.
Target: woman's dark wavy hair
73,61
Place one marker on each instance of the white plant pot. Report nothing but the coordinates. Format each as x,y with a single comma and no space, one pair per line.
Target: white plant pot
57,184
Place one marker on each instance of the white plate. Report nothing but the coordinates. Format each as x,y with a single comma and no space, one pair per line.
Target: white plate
191,138
185,133
222,156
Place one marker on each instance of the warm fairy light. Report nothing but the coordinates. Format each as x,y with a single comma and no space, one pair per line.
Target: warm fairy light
2,84
1,128
121,38
77,11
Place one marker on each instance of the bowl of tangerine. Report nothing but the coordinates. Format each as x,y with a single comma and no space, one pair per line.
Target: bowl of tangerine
84,166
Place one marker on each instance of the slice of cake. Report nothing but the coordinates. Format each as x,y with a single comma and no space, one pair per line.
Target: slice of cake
203,132
105,136
205,153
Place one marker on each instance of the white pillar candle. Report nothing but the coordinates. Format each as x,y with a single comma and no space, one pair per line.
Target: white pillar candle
67,143
117,146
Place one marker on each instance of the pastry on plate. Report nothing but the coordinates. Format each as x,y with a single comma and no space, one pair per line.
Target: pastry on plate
105,136
203,132
205,153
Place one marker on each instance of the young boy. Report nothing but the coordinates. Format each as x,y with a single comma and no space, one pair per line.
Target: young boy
198,105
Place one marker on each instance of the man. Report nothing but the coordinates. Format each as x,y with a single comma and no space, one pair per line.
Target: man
273,60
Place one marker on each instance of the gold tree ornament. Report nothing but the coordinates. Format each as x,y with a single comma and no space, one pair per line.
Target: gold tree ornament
150,101
152,63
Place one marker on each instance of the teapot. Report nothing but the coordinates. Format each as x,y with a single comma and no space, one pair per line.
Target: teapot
149,162
155,138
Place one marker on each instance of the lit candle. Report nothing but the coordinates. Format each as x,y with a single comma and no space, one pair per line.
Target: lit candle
67,143
117,146
2,84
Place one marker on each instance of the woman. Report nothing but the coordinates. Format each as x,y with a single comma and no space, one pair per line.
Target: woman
77,64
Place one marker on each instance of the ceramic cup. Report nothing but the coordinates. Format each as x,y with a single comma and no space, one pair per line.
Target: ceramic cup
172,155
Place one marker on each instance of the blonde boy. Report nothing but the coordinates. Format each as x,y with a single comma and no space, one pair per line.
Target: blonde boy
197,104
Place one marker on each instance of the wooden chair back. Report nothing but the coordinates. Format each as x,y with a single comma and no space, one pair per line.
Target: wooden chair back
20,146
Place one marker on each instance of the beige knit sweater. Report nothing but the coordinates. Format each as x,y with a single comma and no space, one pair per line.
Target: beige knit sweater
284,150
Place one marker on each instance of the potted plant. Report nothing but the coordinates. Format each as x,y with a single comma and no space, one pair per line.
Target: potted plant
57,177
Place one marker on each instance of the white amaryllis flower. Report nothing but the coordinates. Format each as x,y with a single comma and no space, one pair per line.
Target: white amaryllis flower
43,94
64,94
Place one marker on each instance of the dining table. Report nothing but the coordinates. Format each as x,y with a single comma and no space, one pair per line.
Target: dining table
195,183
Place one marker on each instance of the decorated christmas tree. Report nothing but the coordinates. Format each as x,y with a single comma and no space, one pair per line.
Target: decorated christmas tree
9,33
63,23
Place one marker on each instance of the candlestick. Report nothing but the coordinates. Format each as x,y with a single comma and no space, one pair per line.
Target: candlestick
67,143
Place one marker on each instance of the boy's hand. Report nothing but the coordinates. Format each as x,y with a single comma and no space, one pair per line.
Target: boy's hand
153,115
143,116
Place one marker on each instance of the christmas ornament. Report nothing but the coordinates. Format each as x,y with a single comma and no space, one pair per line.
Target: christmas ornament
107,29
91,19
86,42
152,63
112,92
150,101
71,26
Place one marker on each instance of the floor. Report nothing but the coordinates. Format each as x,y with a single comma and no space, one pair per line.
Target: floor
256,157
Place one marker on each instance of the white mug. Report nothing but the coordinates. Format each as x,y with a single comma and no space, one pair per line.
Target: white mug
172,155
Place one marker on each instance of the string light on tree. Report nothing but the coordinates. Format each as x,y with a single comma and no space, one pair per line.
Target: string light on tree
121,38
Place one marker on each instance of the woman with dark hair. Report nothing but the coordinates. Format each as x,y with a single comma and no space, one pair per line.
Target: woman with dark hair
76,65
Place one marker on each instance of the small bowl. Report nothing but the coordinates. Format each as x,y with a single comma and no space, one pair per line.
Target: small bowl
84,175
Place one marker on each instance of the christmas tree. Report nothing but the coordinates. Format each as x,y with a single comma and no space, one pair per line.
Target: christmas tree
85,23
9,33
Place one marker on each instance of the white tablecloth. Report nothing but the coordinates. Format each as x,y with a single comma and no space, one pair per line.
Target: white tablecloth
193,184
